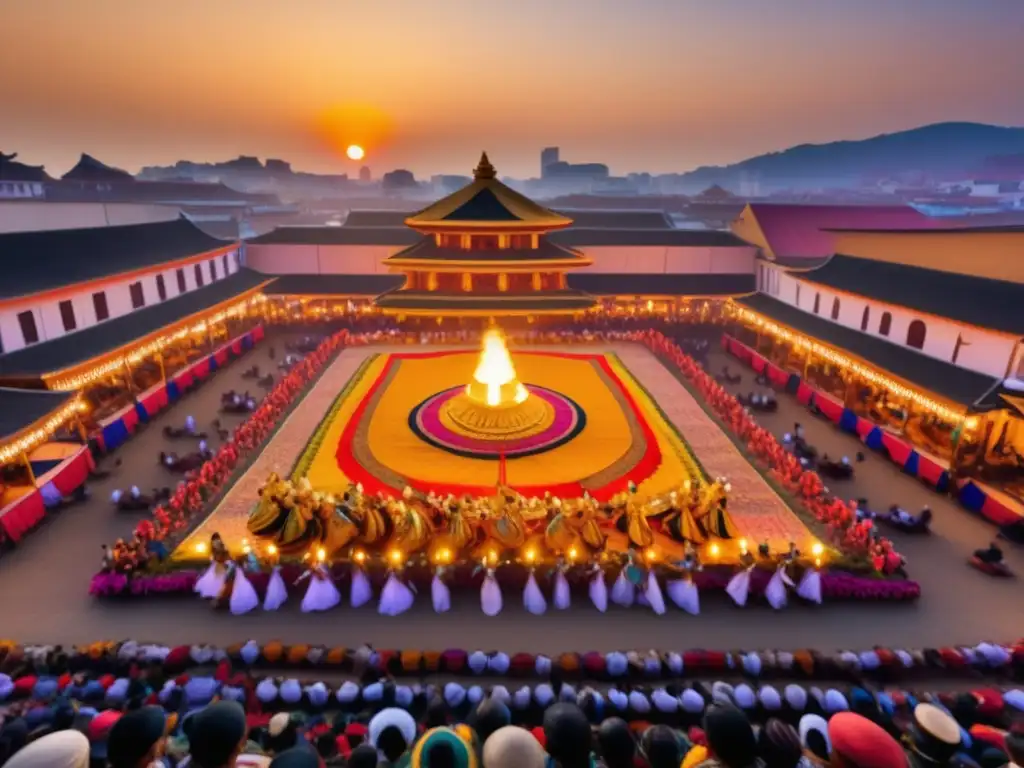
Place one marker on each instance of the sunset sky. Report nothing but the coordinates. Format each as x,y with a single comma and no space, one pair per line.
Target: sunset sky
658,85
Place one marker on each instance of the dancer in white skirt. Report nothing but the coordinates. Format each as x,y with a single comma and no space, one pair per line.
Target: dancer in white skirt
624,589
683,592
739,585
360,591
810,585
490,593
439,592
243,593
397,597
210,585
561,597
277,592
533,598
321,594
598,588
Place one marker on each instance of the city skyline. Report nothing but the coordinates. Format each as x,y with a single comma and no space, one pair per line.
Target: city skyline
677,86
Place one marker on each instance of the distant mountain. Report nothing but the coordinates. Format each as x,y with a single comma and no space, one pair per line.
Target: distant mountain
941,149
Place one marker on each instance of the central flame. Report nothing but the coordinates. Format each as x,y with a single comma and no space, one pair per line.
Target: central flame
496,372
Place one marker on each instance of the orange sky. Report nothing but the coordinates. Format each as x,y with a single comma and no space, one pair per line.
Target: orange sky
659,85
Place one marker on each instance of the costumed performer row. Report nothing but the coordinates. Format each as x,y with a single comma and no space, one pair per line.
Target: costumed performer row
779,584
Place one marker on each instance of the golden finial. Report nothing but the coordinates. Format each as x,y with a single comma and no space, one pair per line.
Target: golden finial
484,170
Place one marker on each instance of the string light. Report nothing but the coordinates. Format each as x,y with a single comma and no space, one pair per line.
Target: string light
142,351
817,549
396,557
843,361
271,550
360,557
743,545
42,433
714,550
321,554
201,547
531,555
651,554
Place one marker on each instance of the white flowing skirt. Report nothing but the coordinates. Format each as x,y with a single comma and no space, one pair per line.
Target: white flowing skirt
623,591
533,598
775,592
321,595
599,591
277,592
684,593
810,586
441,595
490,596
561,597
211,583
739,587
652,595
361,592
396,597
243,594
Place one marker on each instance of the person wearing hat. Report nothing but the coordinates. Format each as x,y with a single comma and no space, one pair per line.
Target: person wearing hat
731,740
490,716
442,748
282,733
568,736
513,747
392,731
137,738
216,735
661,747
63,749
778,745
934,736
616,743
859,743
302,756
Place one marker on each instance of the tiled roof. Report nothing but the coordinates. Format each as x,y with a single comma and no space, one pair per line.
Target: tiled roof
694,238
662,284
429,250
21,408
582,218
956,384
799,231
40,261
88,343
377,218
333,285
980,301
338,236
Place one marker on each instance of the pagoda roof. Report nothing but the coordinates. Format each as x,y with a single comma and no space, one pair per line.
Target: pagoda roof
487,204
333,285
427,250
664,284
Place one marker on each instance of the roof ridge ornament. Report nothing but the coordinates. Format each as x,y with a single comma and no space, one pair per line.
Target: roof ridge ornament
484,169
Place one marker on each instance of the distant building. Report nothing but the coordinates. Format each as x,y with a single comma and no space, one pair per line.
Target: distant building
282,167
564,170
548,156
365,173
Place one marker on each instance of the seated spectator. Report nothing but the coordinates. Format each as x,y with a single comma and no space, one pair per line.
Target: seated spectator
63,749
217,736
616,743
567,736
513,747
137,739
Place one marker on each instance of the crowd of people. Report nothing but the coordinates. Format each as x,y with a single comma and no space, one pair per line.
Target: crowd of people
206,722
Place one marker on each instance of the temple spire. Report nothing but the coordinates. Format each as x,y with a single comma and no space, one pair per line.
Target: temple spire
484,169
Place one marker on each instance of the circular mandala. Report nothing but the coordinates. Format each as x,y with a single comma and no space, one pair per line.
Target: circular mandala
426,421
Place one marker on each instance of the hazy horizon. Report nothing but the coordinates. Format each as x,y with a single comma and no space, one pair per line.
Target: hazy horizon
659,85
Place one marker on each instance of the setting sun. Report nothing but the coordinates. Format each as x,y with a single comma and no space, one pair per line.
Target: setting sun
355,152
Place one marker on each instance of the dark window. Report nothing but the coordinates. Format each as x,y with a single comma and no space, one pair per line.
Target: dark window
99,303
835,309
138,300
199,275
29,332
885,324
213,270
227,266
182,287
817,303
161,289
67,315
798,294
865,318
916,333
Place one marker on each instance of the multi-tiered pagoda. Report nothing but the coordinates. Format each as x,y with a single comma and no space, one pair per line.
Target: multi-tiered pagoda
485,253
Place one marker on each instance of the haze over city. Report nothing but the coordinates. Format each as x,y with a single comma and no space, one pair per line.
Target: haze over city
657,85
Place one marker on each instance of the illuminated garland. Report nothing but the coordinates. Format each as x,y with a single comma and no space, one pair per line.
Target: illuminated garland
141,352
836,358
26,442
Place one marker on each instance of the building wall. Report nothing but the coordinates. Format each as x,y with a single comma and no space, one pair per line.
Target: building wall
983,351
671,260
26,216
46,309
319,259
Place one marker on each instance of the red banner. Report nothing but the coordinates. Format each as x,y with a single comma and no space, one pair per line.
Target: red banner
897,448
21,515
829,406
777,376
929,470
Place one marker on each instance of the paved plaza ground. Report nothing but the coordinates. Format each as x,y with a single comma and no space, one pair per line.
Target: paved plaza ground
44,583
